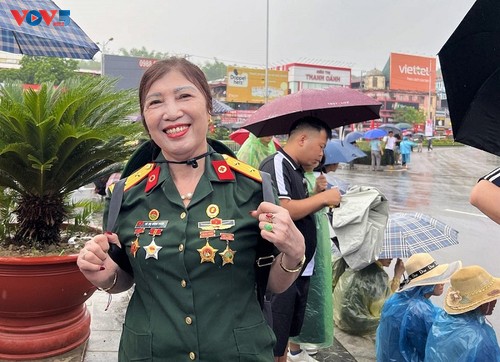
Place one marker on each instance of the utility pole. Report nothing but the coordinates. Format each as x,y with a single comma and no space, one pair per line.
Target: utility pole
103,53
266,77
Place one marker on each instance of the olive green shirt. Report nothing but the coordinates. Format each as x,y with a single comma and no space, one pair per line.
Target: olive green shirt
183,309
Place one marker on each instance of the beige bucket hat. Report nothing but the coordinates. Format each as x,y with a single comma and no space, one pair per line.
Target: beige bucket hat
470,287
422,269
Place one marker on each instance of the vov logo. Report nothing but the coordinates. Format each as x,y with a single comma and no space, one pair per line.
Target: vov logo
35,17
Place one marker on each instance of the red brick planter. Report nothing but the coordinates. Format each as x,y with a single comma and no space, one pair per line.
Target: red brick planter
42,307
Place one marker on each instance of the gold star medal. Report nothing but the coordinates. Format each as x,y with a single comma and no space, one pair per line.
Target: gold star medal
135,244
152,250
207,253
228,254
134,247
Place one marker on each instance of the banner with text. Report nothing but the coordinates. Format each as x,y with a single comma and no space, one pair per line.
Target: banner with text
248,85
413,73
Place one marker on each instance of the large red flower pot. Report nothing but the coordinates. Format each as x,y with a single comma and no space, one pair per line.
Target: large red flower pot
42,306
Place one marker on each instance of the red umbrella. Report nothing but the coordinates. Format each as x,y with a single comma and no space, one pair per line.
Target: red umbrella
336,106
240,136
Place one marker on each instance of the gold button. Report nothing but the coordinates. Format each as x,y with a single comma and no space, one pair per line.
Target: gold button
181,247
192,356
188,320
183,283
183,215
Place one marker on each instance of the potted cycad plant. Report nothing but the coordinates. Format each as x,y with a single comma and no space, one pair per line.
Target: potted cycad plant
52,141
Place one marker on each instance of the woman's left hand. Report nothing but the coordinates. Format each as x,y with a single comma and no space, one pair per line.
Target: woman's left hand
277,226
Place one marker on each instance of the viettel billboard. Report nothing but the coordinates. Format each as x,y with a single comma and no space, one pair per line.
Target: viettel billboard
412,72
247,85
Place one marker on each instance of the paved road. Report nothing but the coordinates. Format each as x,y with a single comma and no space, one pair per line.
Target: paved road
438,183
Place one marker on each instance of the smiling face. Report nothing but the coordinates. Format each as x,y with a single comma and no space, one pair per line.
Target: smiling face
176,115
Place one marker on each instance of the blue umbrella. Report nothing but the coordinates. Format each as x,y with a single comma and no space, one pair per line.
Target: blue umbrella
374,133
402,125
337,151
31,28
353,136
390,127
408,233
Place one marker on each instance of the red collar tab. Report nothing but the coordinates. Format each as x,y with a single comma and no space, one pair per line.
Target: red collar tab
152,179
222,170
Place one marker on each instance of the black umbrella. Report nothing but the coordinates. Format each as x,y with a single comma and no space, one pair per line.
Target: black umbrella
470,63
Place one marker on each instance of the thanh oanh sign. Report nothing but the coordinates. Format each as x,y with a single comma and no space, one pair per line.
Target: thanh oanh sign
247,85
412,72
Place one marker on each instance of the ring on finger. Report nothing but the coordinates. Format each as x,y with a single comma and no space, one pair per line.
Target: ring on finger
268,227
270,216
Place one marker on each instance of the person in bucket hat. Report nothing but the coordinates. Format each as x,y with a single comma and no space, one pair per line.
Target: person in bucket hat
407,315
460,332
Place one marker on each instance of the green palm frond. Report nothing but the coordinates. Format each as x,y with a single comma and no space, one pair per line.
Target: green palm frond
57,139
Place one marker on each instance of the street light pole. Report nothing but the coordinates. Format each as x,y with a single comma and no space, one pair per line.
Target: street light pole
103,52
266,77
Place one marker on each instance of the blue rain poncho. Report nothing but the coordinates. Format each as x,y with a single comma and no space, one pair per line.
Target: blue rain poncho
404,325
462,338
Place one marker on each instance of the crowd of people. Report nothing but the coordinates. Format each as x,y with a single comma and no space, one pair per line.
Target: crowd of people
224,271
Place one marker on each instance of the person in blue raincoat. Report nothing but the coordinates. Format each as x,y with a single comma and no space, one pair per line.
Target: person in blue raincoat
461,332
408,314
405,150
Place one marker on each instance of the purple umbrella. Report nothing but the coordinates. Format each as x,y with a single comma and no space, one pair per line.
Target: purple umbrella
336,106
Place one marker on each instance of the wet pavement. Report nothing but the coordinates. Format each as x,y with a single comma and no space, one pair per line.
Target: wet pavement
437,183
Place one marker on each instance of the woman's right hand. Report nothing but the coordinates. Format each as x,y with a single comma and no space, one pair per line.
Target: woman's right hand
93,256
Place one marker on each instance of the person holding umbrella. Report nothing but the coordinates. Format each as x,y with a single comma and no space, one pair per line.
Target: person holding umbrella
461,332
408,314
307,139
191,225
377,151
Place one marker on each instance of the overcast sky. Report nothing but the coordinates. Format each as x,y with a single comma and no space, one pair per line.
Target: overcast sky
358,34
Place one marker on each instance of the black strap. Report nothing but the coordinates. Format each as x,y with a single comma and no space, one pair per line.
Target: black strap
267,187
119,255
265,255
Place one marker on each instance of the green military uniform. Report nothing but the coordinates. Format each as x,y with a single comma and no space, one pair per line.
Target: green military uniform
194,268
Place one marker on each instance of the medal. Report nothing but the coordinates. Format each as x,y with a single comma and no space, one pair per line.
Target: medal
154,215
135,244
207,253
228,254
134,247
152,250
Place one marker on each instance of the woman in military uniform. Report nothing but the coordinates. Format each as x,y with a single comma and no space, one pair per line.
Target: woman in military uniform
192,224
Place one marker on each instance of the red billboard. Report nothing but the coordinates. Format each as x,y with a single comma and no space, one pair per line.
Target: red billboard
412,73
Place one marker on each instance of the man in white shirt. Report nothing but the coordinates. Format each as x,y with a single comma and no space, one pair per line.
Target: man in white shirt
389,149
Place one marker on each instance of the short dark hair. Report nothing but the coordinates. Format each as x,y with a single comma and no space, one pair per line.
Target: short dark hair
310,122
189,70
